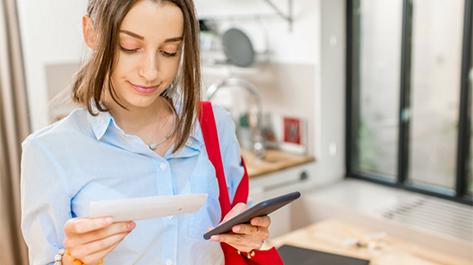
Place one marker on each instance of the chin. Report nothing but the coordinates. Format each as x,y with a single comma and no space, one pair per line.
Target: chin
144,103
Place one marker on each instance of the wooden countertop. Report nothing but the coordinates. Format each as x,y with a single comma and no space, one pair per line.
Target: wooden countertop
329,236
275,160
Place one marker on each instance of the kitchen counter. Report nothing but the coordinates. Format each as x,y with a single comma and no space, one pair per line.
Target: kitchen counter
275,160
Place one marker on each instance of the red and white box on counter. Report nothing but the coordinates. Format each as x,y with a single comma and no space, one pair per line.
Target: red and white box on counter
286,133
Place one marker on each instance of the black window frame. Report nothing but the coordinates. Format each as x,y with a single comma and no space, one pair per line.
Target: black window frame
459,194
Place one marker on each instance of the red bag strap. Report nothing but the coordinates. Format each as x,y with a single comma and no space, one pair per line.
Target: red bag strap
243,190
209,132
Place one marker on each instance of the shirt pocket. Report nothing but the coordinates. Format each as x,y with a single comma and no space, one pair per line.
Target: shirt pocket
210,213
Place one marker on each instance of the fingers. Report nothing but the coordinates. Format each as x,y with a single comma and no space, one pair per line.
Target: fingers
94,235
236,210
105,243
246,229
88,253
239,241
247,237
84,225
89,240
264,221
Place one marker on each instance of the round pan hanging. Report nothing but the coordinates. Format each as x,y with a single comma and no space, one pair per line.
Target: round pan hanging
238,48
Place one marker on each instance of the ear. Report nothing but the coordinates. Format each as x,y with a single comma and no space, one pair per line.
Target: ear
89,32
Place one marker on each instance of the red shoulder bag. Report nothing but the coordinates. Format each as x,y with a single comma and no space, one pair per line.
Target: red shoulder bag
209,131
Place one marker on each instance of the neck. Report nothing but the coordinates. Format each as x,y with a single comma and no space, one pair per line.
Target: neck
136,118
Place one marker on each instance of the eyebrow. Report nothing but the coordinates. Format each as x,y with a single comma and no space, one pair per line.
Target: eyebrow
173,39
134,35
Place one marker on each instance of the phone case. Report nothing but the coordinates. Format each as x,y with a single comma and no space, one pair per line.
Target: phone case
261,209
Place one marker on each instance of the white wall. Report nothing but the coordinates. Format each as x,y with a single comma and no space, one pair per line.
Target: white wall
51,33
330,139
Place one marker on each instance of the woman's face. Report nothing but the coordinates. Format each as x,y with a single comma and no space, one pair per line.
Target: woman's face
149,52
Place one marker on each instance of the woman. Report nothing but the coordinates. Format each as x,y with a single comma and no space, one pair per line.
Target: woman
135,136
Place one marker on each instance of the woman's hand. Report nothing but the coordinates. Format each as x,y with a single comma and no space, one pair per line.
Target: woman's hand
90,240
246,237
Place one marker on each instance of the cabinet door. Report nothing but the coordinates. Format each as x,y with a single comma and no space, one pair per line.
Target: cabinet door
276,184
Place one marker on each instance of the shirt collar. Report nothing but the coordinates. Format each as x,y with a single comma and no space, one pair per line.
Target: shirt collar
196,140
100,123
103,120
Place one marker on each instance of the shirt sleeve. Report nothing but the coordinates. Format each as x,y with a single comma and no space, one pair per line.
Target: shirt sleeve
230,149
45,203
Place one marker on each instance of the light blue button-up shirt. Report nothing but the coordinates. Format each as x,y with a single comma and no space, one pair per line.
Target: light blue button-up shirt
83,158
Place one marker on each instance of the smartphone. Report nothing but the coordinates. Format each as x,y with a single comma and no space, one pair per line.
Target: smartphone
260,209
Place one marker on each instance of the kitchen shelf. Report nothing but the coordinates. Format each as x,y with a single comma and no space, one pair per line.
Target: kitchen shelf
288,17
278,13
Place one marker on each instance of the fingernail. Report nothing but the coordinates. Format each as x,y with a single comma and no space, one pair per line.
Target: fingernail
215,238
237,228
107,221
131,225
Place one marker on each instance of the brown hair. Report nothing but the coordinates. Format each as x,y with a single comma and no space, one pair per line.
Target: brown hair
90,81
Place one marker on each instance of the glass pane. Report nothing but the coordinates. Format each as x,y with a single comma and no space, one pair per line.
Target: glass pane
470,182
470,168
380,53
436,71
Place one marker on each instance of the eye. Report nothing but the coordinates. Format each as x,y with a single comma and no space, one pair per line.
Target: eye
128,50
168,54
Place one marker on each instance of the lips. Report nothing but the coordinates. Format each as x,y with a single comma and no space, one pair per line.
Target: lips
144,89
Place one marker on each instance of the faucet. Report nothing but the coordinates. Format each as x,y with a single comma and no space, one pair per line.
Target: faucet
257,138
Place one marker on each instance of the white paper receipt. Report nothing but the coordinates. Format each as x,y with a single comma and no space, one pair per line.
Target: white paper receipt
147,207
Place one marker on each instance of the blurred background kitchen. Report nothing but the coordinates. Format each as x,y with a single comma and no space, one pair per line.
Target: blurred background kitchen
364,106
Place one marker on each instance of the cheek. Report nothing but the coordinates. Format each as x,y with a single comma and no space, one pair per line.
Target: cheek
128,63
170,69
123,68
122,72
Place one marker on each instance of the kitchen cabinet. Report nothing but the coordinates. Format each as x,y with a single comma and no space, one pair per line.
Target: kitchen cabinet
268,181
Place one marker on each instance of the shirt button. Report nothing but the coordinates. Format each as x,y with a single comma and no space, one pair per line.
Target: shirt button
190,142
168,262
163,166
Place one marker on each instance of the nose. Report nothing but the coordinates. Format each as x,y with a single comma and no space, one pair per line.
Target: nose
149,67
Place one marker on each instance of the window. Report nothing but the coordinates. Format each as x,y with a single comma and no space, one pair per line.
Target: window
409,112
437,31
380,50
470,168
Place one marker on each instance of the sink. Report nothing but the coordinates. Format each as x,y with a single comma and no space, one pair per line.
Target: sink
245,107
